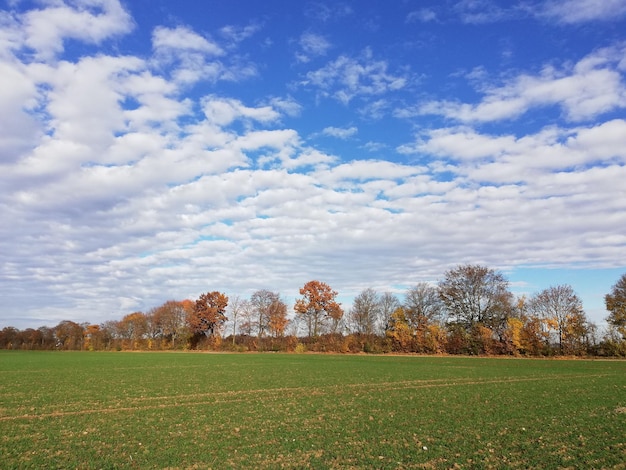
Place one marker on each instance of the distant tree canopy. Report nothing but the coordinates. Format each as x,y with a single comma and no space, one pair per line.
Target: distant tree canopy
469,311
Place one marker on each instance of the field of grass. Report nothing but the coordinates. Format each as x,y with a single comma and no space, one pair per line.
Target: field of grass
194,410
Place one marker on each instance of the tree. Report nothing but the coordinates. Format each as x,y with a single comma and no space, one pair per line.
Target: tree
171,320
235,308
208,314
261,302
69,335
277,317
400,331
365,312
616,304
422,305
134,327
389,303
559,306
474,294
318,305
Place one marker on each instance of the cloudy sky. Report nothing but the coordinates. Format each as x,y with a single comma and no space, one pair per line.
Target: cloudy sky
154,150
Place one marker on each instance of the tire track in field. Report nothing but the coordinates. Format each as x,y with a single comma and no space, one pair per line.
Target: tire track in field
234,396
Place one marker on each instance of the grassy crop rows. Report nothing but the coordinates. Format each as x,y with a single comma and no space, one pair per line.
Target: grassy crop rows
187,410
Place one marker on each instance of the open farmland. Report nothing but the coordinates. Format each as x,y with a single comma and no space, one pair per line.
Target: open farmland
194,410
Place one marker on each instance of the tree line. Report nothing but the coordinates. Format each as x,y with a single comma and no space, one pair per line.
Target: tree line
470,311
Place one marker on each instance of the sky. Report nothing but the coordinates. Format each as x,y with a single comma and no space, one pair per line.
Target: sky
154,150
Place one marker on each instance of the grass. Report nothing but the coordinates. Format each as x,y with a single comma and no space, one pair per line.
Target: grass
187,410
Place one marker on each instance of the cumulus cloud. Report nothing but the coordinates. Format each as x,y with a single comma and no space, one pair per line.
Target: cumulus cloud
91,21
346,78
123,189
591,87
312,45
581,11
172,40
340,132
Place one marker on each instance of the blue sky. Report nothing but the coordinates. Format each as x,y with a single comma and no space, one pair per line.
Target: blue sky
155,150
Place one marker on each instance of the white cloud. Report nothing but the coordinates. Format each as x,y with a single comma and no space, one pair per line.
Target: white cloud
91,21
340,132
424,15
223,111
347,78
312,45
325,12
240,33
18,127
287,105
193,58
580,11
590,88
123,188
479,11
172,40
507,159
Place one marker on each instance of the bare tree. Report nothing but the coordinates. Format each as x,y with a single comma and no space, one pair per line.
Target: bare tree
365,312
235,309
389,303
563,310
476,295
422,305
262,301
616,304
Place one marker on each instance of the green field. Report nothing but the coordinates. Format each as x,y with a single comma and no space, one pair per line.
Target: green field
195,410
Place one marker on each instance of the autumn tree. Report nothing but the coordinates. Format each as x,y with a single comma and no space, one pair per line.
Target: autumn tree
277,317
170,320
560,307
399,331
474,294
365,312
69,335
208,314
317,306
616,305
93,337
9,338
134,327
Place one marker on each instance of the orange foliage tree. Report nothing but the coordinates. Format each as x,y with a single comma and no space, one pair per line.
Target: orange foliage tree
208,314
318,305
277,317
399,331
171,320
